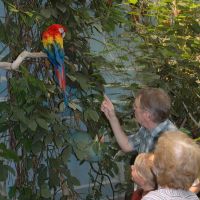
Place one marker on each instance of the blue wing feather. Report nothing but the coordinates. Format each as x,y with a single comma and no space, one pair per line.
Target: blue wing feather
56,56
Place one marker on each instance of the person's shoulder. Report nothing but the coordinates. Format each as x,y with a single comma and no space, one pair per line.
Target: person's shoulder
153,195
170,126
166,194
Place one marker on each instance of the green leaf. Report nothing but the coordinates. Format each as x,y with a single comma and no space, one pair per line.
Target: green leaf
91,114
23,127
42,123
29,163
46,13
54,178
3,127
45,191
132,1
74,181
29,109
8,153
3,106
37,147
81,141
4,173
12,8
25,193
67,152
72,78
51,88
55,162
32,125
75,106
27,144
12,192
61,6
62,106
48,139
83,81
94,115
30,14
59,141
81,153
19,114
195,27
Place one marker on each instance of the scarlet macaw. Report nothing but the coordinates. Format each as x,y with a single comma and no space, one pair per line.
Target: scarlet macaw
52,39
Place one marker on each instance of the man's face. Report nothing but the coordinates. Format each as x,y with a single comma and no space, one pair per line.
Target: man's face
139,113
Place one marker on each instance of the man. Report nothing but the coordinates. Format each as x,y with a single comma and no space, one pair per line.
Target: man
152,108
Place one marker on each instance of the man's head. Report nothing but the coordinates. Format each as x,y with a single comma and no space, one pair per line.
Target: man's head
151,105
176,160
142,171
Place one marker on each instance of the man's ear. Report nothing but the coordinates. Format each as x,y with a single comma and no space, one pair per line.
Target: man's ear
148,115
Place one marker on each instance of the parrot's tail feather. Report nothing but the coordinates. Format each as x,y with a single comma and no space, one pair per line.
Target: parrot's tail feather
61,78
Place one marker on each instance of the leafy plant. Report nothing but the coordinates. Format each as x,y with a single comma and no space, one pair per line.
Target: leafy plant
160,48
166,48
41,135
172,42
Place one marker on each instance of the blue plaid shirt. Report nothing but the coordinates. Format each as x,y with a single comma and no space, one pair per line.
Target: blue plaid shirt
144,141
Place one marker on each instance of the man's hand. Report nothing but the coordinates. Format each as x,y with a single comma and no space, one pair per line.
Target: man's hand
108,108
109,111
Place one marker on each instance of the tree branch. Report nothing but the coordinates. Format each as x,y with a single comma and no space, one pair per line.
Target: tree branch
191,117
22,56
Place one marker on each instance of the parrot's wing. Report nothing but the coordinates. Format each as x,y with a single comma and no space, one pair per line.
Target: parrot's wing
55,55
51,56
59,54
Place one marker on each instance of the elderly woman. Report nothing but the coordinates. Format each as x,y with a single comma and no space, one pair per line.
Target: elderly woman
176,165
142,175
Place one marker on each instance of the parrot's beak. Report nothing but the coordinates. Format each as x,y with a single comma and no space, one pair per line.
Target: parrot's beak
62,31
63,34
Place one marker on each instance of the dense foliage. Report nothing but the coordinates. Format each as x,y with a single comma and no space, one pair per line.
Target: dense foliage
139,43
169,39
39,135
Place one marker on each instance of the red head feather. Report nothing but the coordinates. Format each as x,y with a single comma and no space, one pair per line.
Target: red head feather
56,28
53,33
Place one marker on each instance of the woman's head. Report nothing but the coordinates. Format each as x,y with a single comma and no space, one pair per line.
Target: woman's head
142,171
176,160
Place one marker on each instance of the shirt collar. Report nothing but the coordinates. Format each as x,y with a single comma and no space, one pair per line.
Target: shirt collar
159,128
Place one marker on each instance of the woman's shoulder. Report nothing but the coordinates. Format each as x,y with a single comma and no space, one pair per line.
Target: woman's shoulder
170,194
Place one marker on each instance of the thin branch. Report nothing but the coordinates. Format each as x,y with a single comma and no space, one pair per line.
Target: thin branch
21,57
102,174
191,117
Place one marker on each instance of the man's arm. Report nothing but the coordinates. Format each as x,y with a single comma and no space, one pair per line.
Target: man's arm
109,111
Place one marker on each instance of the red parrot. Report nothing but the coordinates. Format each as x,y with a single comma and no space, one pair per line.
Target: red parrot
52,39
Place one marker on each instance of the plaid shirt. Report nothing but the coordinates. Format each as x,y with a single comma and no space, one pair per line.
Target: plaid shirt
144,141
